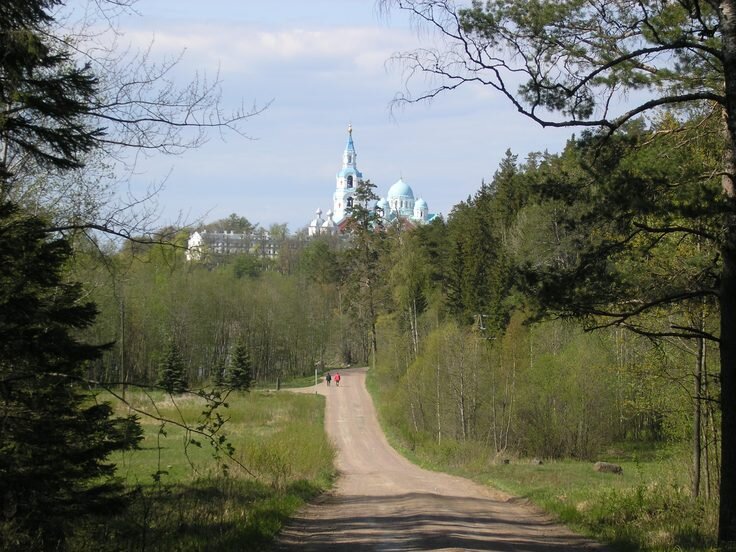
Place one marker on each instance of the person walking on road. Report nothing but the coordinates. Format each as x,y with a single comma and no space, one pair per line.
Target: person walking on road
337,379
328,379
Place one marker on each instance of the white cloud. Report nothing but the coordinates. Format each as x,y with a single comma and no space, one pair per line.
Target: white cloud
249,49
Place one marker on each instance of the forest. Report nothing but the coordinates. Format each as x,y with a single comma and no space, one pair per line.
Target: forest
550,316
573,304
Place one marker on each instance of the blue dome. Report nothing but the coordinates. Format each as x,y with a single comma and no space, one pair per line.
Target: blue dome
420,204
400,189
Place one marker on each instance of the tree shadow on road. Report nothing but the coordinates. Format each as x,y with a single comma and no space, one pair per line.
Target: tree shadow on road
423,521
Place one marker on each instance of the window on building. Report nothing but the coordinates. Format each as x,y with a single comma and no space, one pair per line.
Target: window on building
350,181
350,202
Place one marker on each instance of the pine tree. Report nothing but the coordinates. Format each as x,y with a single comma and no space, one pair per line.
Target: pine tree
54,440
604,66
240,373
172,373
368,243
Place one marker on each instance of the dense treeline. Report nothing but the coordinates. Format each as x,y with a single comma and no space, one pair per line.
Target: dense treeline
293,313
489,338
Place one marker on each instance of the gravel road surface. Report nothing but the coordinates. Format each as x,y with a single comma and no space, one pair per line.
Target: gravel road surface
383,502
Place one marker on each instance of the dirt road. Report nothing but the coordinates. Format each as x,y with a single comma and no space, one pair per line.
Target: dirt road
383,502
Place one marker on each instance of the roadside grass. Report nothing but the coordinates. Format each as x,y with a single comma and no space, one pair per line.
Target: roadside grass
648,508
293,382
188,497
301,381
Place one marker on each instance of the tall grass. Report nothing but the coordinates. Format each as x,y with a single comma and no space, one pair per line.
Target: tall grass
189,497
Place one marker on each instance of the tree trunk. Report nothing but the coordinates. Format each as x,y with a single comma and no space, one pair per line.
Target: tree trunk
510,402
697,424
727,295
414,327
461,406
494,413
122,348
715,442
439,410
727,510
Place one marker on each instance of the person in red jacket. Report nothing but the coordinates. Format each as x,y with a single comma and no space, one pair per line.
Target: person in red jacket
337,379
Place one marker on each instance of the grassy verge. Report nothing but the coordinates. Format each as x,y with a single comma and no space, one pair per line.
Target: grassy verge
300,381
648,508
292,382
187,497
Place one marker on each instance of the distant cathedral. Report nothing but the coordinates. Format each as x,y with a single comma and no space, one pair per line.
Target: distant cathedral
399,203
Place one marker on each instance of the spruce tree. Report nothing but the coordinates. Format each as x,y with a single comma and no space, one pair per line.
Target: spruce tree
55,439
240,374
44,96
172,373
368,241
218,375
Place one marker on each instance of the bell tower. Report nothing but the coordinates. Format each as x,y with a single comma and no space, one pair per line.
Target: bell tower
347,179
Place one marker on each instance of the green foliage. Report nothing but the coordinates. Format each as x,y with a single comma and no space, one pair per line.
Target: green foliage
240,371
633,228
362,264
605,52
55,439
232,223
638,240
172,371
409,279
565,410
478,277
218,376
248,266
54,442
318,261
646,508
291,322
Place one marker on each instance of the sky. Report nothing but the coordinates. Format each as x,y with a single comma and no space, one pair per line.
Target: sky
319,65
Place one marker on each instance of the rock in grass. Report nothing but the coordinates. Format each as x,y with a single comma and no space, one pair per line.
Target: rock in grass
608,467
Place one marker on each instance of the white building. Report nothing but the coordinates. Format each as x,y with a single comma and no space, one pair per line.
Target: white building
200,244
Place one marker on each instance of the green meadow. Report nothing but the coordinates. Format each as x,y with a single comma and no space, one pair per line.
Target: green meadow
188,495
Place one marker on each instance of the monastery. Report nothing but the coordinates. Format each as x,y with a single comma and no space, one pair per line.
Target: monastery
398,203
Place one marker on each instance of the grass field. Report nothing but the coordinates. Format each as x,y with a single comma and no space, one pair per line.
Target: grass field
190,497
